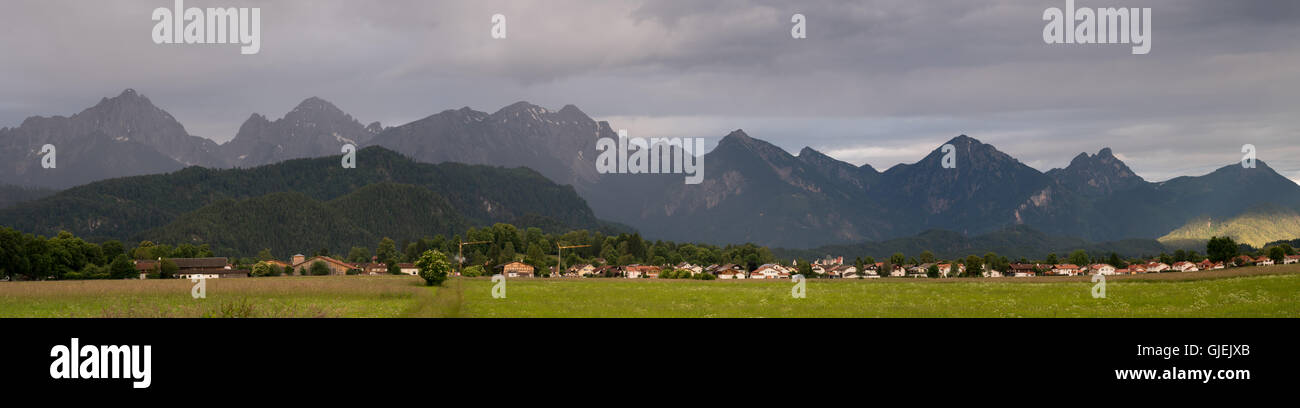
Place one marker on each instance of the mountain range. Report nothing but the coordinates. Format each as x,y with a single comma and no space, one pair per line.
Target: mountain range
752,191
755,191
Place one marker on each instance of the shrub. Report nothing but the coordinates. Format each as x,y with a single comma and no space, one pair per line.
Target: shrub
167,269
433,267
472,271
261,269
319,268
121,268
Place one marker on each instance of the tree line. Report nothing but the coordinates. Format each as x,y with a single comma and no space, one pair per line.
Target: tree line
65,256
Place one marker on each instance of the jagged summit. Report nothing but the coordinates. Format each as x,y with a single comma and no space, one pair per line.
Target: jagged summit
128,100
1100,173
521,107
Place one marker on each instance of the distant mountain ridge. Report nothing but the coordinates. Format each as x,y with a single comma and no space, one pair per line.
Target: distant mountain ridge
314,128
752,191
121,136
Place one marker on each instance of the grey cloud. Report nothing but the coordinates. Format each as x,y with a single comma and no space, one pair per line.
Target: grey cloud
876,77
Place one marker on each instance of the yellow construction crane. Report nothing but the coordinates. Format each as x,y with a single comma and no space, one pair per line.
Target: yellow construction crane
560,254
460,253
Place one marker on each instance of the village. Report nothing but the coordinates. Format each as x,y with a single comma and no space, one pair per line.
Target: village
828,268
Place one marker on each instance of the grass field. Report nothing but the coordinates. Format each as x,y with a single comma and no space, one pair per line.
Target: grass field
1248,292
341,296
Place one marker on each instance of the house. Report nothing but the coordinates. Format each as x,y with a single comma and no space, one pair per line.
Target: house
336,267
631,272
1184,266
607,271
767,271
1102,269
408,268
1263,261
915,271
373,268
581,270
1066,269
517,270
1219,265
853,273
1137,268
921,269
1023,269
145,267
200,273
897,271
206,268
871,268
843,271
1156,267
1205,265
695,269
636,271
820,269
1290,259
738,271
729,271
1243,260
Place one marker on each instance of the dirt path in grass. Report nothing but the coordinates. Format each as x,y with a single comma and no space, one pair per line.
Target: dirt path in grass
438,301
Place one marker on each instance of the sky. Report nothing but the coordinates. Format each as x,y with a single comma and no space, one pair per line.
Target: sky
875,82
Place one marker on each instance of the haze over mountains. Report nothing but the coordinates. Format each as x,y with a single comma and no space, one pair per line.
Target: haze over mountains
752,191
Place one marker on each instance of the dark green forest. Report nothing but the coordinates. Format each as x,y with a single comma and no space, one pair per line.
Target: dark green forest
132,208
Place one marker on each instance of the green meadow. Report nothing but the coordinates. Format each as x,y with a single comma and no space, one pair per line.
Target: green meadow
1247,292
1254,296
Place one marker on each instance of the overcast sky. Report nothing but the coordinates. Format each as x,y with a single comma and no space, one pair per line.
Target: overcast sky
878,82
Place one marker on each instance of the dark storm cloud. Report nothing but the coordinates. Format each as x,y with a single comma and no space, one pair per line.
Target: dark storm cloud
877,82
